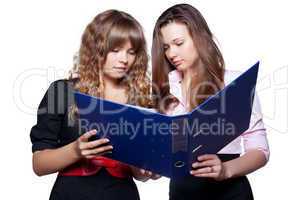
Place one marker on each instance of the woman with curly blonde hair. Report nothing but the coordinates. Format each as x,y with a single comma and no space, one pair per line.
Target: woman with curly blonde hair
112,65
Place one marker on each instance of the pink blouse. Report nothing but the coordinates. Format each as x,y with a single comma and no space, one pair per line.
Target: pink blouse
253,138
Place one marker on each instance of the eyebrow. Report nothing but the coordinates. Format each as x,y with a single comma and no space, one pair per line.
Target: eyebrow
175,39
179,38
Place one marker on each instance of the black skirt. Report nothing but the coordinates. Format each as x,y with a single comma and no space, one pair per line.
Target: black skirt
101,186
194,188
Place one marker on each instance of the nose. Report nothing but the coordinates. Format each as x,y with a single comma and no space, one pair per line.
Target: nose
171,53
123,57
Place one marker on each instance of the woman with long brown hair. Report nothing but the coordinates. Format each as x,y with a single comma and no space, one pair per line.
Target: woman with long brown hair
112,65
188,67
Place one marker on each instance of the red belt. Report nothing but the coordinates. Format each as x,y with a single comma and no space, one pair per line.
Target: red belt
89,167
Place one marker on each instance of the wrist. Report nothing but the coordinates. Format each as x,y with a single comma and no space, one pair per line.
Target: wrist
227,174
74,150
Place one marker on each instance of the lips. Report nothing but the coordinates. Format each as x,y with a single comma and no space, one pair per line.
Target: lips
120,68
177,63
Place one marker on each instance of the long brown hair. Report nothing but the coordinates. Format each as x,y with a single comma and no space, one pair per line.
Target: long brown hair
208,52
108,30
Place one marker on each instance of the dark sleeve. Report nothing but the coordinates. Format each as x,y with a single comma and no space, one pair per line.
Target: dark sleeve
51,111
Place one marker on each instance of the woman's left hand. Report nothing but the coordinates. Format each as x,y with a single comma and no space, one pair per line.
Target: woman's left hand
209,166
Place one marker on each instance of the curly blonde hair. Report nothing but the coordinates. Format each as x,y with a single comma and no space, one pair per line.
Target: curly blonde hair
108,30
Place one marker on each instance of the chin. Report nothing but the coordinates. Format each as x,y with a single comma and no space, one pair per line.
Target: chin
181,68
119,76
116,76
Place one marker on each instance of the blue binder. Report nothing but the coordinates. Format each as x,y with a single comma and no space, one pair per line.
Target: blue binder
168,145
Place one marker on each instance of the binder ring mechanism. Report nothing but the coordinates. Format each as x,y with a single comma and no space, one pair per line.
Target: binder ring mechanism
179,164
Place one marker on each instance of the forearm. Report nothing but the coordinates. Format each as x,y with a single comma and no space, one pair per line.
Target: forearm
245,164
53,160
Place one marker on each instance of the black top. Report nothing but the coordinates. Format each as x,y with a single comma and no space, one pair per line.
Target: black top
54,128
195,188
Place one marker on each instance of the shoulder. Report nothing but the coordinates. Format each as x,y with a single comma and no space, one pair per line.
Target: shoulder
61,87
62,83
58,96
231,75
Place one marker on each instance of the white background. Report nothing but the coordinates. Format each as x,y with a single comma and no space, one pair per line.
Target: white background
39,38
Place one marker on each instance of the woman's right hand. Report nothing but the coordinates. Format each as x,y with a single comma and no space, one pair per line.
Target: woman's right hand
90,149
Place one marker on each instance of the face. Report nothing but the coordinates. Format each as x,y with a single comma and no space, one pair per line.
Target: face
178,46
118,61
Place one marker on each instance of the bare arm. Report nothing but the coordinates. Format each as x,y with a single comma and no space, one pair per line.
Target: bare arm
53,160
211,166
249,162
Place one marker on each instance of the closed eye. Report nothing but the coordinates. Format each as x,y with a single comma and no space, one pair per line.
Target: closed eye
166,47
115,50
179,43
132,52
